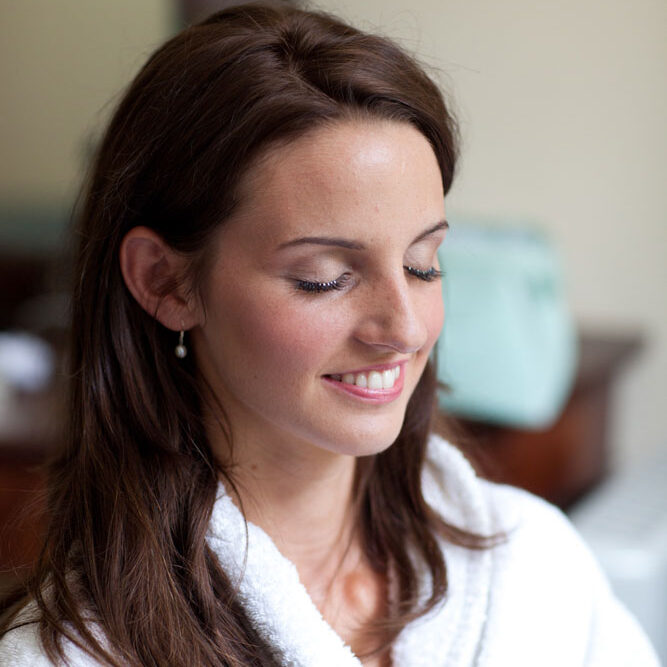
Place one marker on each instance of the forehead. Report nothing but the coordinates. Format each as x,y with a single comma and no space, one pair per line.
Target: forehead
354,178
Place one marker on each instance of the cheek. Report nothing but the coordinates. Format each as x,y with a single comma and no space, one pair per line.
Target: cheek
280,336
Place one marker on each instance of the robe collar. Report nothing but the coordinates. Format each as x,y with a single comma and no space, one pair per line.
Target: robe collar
281,610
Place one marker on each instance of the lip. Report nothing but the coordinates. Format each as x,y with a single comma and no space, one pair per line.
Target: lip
376,396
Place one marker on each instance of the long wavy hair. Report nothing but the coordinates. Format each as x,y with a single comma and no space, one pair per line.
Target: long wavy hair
131,493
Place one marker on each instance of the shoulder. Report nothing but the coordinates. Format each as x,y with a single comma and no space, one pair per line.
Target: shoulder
545,586
546,577
529,524
21,646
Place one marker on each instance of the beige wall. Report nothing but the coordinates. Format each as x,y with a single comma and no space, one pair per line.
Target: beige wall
563,107
61,64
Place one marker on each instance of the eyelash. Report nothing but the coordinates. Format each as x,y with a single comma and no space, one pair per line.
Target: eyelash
428,275
312,286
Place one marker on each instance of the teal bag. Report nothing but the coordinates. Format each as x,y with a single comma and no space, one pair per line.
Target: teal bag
508,349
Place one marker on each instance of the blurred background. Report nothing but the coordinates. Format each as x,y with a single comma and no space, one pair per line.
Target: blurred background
563,114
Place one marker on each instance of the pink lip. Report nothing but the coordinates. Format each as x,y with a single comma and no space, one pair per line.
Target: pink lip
370,395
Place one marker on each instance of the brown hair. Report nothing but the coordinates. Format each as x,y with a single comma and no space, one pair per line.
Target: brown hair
132,492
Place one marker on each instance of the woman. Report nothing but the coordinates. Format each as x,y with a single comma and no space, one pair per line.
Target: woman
249,477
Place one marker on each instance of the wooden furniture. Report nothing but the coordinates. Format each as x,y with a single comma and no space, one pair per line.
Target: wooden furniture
28,432
563,462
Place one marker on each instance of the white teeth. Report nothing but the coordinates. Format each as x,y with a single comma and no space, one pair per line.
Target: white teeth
374,380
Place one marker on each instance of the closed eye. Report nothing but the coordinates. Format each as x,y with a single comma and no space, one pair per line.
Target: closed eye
314,286
428,275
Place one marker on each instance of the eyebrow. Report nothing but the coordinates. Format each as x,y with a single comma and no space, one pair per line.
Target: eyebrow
354,245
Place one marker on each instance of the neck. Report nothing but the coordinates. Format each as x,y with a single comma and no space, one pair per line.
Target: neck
302,497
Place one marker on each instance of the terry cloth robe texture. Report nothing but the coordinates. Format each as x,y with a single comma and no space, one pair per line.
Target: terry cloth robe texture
538,598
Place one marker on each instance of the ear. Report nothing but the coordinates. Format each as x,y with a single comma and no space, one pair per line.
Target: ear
153,273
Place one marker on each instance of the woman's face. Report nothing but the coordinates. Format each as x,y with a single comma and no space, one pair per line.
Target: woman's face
321,307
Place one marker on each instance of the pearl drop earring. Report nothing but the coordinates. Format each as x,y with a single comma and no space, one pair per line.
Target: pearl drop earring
180,350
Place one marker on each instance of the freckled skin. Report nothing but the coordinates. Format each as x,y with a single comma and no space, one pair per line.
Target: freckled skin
264,346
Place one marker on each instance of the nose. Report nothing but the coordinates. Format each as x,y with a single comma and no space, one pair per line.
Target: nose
393,317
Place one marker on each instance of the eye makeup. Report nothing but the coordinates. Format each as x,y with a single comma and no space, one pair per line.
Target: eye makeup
314,286
428,275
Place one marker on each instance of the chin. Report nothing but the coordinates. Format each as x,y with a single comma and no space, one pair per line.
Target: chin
364,442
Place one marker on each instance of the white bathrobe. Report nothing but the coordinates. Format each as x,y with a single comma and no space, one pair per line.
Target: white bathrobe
537,600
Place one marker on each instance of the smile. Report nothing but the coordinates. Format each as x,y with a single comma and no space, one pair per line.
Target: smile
380,385
384,379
